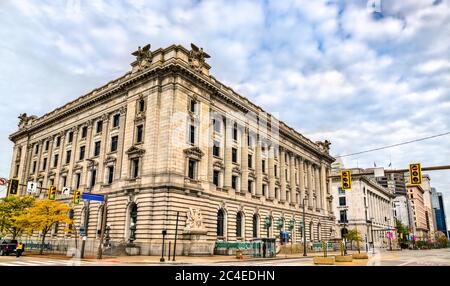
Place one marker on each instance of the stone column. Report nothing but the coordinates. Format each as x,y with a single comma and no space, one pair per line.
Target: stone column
323,186
89,152
310,185
317,187
259,173
228,162
103,146
282,175
49,160
244,162
292,180
210,152
72,156
120,143
62,151
301,179
271,173
38,160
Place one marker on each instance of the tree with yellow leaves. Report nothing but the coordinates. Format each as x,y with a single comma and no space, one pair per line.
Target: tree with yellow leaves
11,207
43,215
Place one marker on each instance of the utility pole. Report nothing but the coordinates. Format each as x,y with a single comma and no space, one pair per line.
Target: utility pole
102,234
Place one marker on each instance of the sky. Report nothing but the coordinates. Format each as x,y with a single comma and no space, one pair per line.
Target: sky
331,69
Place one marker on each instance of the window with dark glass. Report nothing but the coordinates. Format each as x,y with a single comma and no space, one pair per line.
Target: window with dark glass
235,131
47,145
82,152
84,132
264,166
139,133
342,201
234,182
275,170
234,155
239,224
58,141
44,164
341,191
97,148
250,161
77,180
70,137
191,169
264,190
93,177
116,120
114,141
34,166
36,149
216,148
193,106
55,160
68,155
64,181
216,125
220,222
343,216
216,175
99,126
191,134
135,166
141,104
110,174
255,225
250,186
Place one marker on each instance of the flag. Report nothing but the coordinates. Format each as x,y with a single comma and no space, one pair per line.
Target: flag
390,164
374,164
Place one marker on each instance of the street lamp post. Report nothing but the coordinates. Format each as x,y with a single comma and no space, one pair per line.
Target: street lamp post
304,229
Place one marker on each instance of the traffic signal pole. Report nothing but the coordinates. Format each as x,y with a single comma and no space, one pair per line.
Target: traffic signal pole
433,168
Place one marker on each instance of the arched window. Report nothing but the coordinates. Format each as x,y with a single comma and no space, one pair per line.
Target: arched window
220,222
239,224
311,234
255,225
319,232
132,222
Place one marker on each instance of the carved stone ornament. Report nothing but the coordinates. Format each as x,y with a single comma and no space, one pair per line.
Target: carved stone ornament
143,58
25,120
133,150
197,58
194,220
324,146
194,153
219,164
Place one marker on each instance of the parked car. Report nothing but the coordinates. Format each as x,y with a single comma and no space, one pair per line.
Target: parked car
8,246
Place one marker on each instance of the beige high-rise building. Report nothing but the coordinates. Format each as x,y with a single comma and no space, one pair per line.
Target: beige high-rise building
168,137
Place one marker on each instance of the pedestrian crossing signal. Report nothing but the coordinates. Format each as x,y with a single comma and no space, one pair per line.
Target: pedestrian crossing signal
346,179
76,197
52,193
13,187
415,174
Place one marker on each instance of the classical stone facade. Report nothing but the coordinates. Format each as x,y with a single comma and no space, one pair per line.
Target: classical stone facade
168,137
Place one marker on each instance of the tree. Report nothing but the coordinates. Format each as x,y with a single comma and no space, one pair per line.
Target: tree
43,216
441,239
12,207
353,235
403,230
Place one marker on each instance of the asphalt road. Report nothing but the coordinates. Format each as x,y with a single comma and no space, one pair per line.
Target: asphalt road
435,257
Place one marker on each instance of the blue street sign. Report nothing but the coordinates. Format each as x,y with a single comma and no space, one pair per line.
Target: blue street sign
92,197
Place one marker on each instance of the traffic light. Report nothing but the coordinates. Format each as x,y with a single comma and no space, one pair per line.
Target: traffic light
346,179
415,174
52,193
77,197
13,186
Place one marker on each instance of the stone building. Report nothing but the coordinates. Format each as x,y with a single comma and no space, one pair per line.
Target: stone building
366,207
168,137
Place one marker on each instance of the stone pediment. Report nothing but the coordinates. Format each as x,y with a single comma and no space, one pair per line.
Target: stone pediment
218,164
236,170
77,167
133,150
110,159
194,152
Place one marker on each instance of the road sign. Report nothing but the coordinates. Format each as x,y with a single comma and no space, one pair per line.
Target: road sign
92,197
378,172
3,181
31,187
65,191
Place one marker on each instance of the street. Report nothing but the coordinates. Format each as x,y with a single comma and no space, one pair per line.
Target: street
434,257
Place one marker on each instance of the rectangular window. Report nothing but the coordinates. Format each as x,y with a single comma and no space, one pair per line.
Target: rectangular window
234,155
64,181
55,160
341,191
70,137
44,164
264,190
139,133
135,168
141,106
250,161
191,169
216,148
342,201
116,120
275,170
93,177
234,182
250,141
114,141
82,152
77,180
58,141
46,145
191,134
343,216
96,148
193,106
36,149
110,174
68,155
84,132
34,166
216,125
250,186
216,175
235,131
264,166
277,193
99,126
